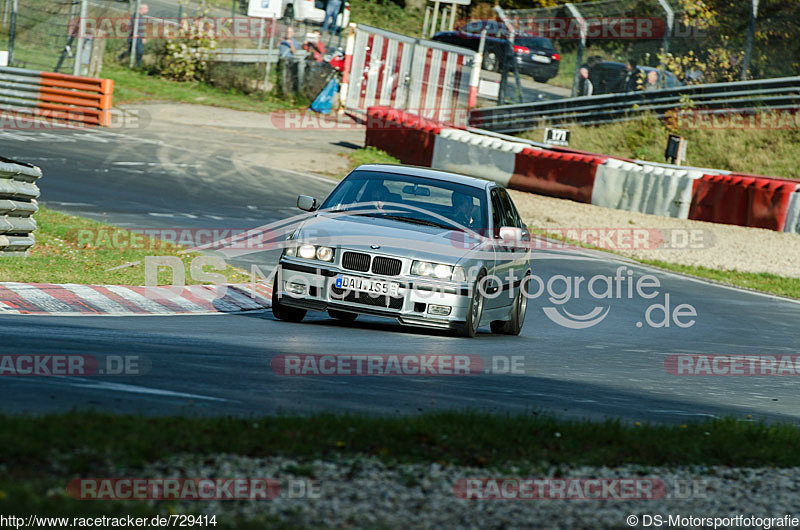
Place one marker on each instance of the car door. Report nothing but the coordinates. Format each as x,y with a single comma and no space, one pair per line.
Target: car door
497,290
521,251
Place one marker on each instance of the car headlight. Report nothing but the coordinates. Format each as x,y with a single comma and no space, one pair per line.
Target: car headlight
308,251
439,271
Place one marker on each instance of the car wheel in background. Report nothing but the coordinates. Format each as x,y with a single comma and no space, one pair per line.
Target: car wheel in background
518,310
470,327
284,312
344,316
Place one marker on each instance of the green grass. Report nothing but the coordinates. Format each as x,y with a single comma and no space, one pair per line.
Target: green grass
370,155
72,249
768,283
387,15
131,86
85,443
765,152
566,69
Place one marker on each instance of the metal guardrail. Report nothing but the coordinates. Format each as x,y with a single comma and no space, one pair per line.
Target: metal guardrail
54,95
763,94
250,55
18,193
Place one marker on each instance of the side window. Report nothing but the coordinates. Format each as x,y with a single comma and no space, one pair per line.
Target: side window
498,218
512,215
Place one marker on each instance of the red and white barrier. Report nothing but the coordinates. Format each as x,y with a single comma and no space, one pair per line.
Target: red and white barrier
435,80
644,188
746,200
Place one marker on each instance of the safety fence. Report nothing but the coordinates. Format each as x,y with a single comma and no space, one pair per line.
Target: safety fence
18,194
744,96
437,81
658,189
57,96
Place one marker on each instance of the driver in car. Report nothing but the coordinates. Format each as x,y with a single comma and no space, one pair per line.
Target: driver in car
462,206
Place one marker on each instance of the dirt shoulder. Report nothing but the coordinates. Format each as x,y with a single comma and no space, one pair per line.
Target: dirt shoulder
681,241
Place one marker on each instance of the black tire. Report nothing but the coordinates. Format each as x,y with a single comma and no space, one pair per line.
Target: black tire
344,316
491,62
520,307
540,78
470,327
284,312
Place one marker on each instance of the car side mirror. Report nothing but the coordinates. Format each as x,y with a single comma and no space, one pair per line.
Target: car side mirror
306,203
511,235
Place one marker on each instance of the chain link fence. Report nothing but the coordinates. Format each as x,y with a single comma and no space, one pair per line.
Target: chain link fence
616,46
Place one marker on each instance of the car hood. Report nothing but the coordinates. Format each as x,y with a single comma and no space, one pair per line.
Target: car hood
395,238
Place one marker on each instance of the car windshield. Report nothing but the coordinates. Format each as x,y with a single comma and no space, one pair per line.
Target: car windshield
539,43
411,199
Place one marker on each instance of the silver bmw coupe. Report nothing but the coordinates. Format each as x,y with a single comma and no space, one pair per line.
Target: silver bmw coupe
425,247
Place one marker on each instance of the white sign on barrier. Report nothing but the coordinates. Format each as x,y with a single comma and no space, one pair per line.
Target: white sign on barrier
556,136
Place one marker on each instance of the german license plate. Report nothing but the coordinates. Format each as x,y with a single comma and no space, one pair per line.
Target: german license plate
541,58
366,285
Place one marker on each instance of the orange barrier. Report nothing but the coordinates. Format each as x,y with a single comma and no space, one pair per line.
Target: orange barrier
62,96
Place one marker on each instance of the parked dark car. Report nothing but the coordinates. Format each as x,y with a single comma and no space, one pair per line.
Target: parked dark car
535,56
608,77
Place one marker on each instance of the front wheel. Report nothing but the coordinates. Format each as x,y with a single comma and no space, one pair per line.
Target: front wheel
281,311
513,326
470,327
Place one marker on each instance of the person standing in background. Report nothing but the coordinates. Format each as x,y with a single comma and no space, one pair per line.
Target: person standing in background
140,35
331,12
288,46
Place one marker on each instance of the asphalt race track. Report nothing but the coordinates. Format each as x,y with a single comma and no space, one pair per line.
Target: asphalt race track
221,364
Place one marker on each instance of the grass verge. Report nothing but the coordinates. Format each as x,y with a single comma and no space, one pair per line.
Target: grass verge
84,443
369,155
132,86
72,249
759,281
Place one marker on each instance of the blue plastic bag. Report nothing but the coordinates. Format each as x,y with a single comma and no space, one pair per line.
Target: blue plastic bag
324,102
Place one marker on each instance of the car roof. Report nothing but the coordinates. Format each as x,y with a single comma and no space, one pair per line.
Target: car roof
426,172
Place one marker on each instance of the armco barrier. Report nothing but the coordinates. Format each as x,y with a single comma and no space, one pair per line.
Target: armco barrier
644,188
404,136
59,96
563,175
18,193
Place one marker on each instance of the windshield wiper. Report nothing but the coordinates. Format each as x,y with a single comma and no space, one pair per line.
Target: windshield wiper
414,220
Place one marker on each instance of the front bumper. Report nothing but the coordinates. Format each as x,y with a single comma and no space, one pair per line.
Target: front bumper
410,306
